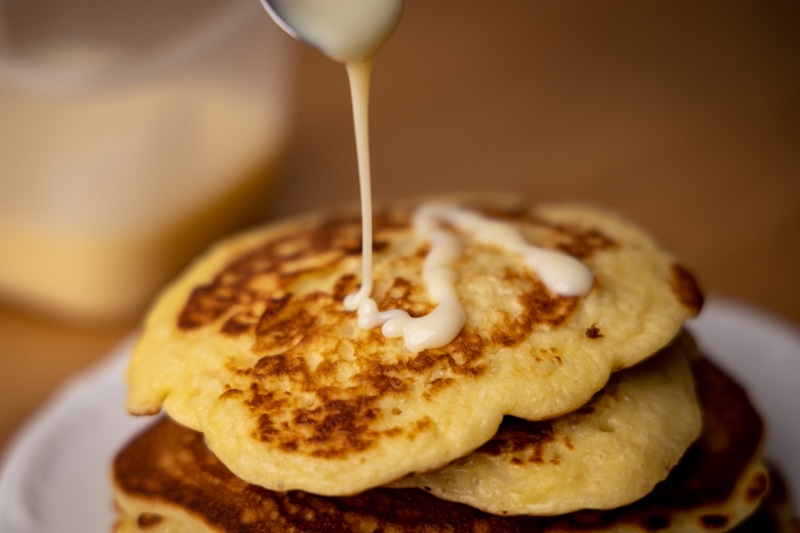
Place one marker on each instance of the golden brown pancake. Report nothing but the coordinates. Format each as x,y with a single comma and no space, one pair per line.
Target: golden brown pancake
166,479
646,416
253,347
775,513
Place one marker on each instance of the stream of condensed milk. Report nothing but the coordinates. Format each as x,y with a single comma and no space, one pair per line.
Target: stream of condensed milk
351,32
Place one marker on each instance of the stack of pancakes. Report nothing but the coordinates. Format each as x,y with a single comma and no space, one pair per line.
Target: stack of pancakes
546,412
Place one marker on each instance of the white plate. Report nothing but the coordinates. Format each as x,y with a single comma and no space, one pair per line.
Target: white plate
56,474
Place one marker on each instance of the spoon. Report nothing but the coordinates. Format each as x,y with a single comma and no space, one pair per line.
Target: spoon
344,30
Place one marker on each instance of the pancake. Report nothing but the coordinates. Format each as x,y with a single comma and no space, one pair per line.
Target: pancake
646,416
166,480
253,347
775,513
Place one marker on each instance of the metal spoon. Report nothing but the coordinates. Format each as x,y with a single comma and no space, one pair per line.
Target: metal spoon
344,30
274,13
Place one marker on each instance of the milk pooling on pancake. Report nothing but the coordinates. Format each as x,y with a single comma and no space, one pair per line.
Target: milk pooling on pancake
351,32
561,273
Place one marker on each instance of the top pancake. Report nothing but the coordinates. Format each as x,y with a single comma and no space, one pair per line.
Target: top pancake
252,345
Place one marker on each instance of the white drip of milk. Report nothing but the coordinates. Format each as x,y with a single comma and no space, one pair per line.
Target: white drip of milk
441,325
562,274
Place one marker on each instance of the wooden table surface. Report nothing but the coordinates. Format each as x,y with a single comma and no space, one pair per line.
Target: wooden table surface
684,116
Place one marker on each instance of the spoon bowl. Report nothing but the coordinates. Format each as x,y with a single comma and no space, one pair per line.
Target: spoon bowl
272,11
344,30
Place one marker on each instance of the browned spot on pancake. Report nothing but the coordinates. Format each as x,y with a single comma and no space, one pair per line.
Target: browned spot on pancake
346,284
584,243
339,427
272,311
266,401
267,430
405,295
423,362
230,393
464,355
250,516
149,520
540,308
520,437
399,292
285,323
206,304
379,246
655,522
261,273
238,324
281,365
593,332
686,288
714,521
422,425
436,385
757,488
572,239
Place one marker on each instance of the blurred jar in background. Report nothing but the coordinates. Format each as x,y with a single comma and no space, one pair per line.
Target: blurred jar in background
132,133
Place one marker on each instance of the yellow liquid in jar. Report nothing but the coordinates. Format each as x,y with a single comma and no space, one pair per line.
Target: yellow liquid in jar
106,194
